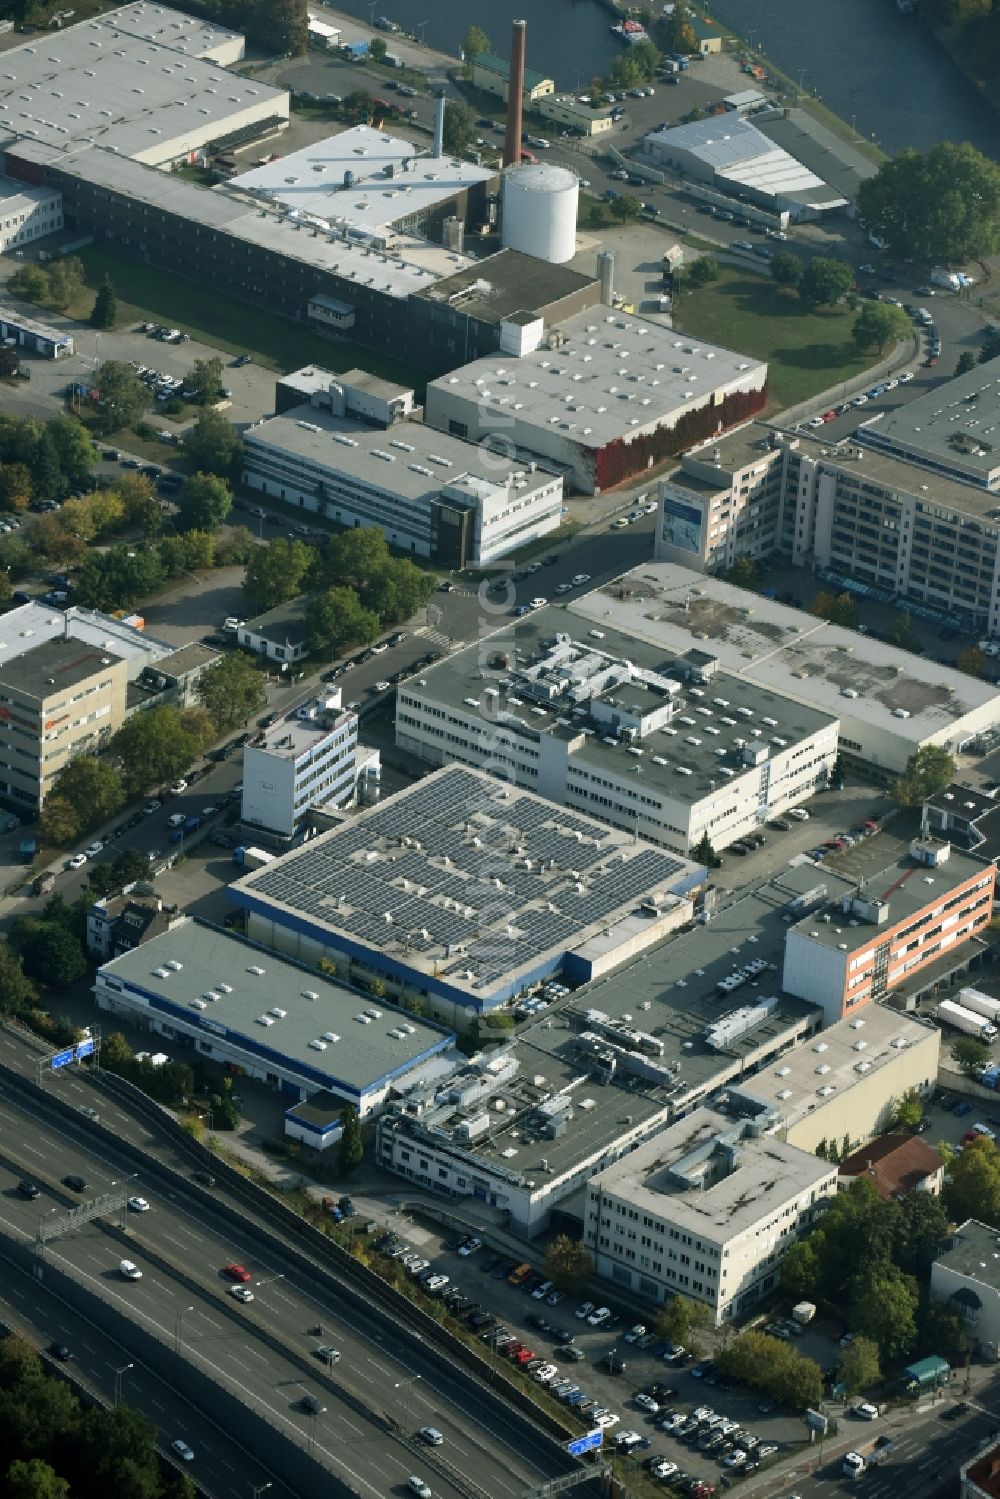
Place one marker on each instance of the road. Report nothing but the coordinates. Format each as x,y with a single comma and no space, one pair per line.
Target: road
181,1246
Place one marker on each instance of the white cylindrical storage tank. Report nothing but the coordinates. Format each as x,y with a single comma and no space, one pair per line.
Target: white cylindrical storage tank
539,211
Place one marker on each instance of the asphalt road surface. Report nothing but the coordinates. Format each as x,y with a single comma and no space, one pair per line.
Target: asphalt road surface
384,1373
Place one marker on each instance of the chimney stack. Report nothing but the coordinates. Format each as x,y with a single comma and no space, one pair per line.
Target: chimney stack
515,95
439,128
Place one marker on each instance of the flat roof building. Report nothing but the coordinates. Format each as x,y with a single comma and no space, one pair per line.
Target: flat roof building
877,939
597,721
948,431
430,494
27,213
888,702
302,763
705,1209
599,396
845,1083
462,892
215,995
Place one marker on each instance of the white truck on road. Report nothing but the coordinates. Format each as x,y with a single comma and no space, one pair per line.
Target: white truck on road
966,1021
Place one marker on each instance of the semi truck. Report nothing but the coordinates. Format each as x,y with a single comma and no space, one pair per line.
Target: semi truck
867,1456
980,1004
966,1020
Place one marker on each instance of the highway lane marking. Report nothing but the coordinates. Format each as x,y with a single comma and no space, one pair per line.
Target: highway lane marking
495,1422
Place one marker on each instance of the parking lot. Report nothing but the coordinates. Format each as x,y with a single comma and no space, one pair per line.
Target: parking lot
598,1371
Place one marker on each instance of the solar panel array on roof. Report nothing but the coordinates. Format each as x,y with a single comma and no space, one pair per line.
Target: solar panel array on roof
491,875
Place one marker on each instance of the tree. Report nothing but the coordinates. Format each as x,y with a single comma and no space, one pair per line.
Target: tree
568,1263
119,577
47,482
681,1320
34,1479
780,1371
902,633
704,852
859,1366
117,1453
909,1110
203,502
60,823
152,748
122,398
625,206
939,209
129,867
358,106
679,32
74,448
92,787
972,661
703,270
878,323
10,362
929,770
377,48
647,56
744,573
232,690
991,343
335,619
50,953
824,281
474,43
65,281
883,1307
971,1055
29,282
213,444
919,1226
204,380
15,486
352,1145
801,1269
972,1187
625,71
104,313
839,609
459,126
275,572
966,361
233,547
17,992
942,1330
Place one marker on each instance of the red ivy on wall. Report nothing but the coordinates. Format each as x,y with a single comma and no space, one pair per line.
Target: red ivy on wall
620,459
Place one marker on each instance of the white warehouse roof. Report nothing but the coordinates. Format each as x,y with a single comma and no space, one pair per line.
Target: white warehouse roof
740,153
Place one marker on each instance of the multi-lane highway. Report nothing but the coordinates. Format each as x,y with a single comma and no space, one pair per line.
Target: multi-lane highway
375,1398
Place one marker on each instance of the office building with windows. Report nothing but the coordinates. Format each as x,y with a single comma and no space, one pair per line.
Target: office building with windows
705,1209
302,763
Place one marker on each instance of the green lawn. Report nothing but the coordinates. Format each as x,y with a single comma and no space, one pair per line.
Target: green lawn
223,322
807,351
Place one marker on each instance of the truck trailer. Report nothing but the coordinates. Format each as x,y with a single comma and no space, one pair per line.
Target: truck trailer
966,1020
980,1004
869,1456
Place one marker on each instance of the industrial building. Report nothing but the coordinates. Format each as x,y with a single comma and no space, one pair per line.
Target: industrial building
26,214
916,913
68,680
574,113
348,457
376,189
888,702
462,893
213,995
843,1084
728,153
492,74
598,396
705,1209
34,337
609,726
965,1276
303,762
601,1070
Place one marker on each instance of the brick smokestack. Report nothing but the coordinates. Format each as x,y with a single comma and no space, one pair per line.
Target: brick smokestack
515,95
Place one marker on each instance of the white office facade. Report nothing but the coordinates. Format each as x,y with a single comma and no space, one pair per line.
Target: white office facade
300,766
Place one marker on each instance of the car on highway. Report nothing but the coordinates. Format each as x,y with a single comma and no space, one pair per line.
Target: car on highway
182,1449
431,1436
417,1486
28,1188
129,1270
138,1205
579,579
233,1271
76,862
326,1353
61,1352
241,1293
538,602
75,1182
866,1410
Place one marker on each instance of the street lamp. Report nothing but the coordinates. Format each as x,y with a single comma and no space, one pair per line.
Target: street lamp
118,1381
404,1384
178,1321
261,1284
